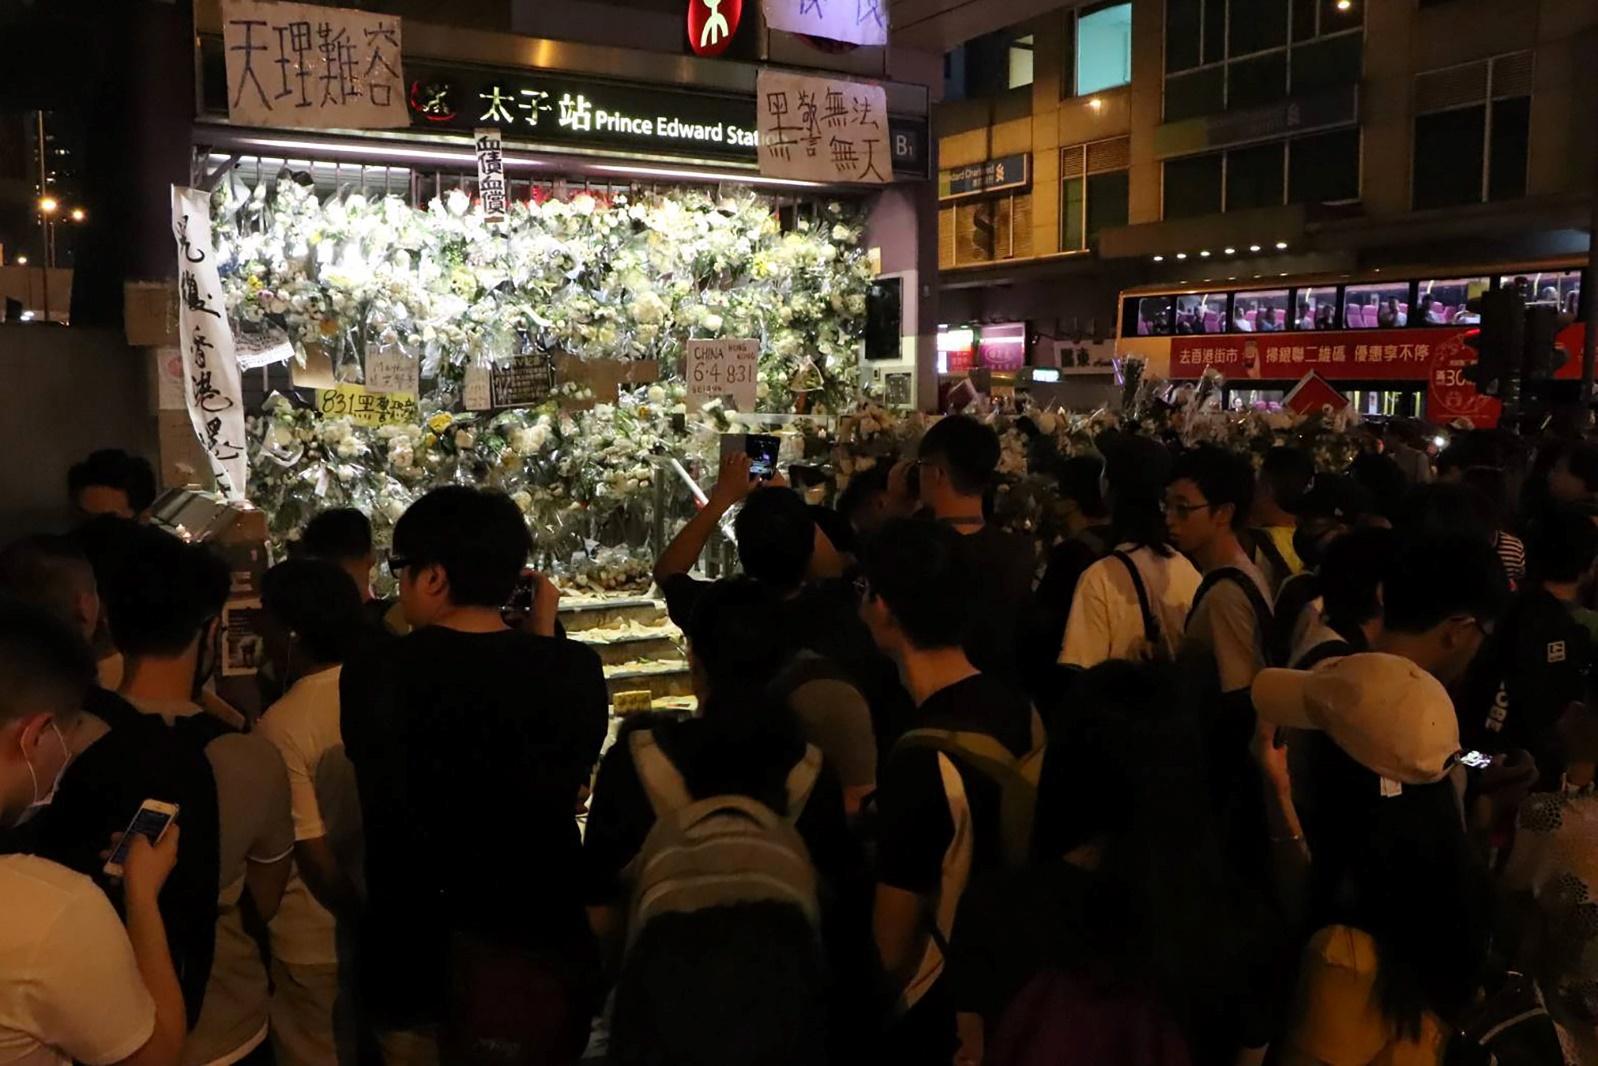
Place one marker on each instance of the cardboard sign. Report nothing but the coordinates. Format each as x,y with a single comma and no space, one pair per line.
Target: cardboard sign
476,394
367,408
822,129
391,369
1312,394
722,369
318,67
521,381
491,174
854,21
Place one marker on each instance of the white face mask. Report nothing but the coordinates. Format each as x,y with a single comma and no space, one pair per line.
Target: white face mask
41,802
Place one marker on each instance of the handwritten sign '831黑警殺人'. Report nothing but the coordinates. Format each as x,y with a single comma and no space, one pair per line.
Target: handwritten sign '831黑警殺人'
367,408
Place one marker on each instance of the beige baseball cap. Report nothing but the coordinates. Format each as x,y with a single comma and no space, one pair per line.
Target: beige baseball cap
1388,714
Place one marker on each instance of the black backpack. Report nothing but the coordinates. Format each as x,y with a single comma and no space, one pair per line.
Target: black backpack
1153,637
1270,639
1509,1027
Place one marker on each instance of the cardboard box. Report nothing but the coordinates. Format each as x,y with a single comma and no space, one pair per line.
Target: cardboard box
150,313
183,460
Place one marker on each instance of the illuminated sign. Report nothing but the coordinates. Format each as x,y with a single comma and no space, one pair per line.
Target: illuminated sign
981,179
712,24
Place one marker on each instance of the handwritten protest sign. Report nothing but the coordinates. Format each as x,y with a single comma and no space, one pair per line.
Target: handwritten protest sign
321,67
855,21
723,369
521,381
367,408
822,129
390,369
491,174
213,391
476,394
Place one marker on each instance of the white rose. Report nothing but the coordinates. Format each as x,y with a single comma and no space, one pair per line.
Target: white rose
657,395
584,204
457,201
712,322
349,448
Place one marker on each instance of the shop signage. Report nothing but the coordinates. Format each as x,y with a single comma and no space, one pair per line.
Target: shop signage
722,369
521,381
490,173
823,129
854,21
980,179
319,67
364,407
1338,107
213,391
1313,394
1002,347
712,24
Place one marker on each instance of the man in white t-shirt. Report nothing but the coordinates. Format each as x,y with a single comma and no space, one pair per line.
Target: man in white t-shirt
74,984
311,618
164,611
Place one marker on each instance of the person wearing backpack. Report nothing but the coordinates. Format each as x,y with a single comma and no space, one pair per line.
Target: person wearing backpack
1285,476
1133,603
958,792
717,852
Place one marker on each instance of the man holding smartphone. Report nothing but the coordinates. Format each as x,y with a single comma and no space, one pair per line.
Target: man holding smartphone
76,985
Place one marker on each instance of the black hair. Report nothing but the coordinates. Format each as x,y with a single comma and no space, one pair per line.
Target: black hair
917,568
1447,508
1492,487
342,535
44,664
1434,576
1475,448
861,490
835,527
477,535
162,592
1581,459
48,571
116,469
317,601
776,537
1380,476
1289,472
967,448
1136,469
1417,888
1350,578
1224,477
1563,545
1078,477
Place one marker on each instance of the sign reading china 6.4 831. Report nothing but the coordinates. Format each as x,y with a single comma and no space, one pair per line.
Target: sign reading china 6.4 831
712,24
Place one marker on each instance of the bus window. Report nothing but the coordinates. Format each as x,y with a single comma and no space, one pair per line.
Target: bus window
1201,313
1259,312
1316,308
1384,305
1559,288
1446,301
1151,316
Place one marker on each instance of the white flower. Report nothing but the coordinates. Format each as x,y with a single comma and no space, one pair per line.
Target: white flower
458,202
841,233
657,395
712,322
584,204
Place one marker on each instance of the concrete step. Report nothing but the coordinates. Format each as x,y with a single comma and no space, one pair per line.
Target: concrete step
660,679
628,649
578,615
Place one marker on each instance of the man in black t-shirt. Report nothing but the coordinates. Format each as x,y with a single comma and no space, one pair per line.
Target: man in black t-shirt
939,816
471,743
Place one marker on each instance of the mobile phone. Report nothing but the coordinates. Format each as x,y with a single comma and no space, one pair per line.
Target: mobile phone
1475,760
762,449
520,604
151,820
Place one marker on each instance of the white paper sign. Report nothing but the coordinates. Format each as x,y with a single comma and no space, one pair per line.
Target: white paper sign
256,350
476,394
390,369
210,367
322,67
491,174
723,369
169,379
855,21
822,129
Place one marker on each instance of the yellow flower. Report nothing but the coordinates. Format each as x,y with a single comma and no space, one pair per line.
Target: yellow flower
439,422
428,440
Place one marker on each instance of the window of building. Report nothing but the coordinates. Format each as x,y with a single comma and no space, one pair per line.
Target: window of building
1560,288
1255,25
1020,62
1193,186
1201,313
1324,168
1103,47
1260,312
1316,308
1254,177
1184,34
1472,130
1255,82
1383,305
1327,64
1201,92
1093,190
1444,301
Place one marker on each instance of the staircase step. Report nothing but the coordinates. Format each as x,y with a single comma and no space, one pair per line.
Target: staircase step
578,615
628,649
661,679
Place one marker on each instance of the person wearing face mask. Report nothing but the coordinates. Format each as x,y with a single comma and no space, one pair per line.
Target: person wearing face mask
165,600
312,619
123,757
77,986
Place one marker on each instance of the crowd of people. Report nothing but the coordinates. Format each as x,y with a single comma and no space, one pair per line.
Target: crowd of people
1251,763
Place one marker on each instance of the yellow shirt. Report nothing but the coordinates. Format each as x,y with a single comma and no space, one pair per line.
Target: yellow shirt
1282,540
1336,1018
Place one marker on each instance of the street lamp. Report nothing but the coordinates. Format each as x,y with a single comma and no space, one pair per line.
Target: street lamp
78,214
48,205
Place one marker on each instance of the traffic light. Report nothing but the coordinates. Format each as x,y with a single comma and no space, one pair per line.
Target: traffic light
1544,355
1499,340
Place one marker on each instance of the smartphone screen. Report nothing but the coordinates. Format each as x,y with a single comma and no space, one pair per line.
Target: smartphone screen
148,822
1476,760
762,449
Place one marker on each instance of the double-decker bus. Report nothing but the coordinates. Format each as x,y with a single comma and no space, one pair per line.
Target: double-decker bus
1393,342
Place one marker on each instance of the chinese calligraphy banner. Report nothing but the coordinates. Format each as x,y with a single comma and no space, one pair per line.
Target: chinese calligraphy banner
320,67
491,174
722,369
822,129
364,407
212,388
854,21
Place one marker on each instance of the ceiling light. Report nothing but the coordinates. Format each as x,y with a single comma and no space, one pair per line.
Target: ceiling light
1205,253
1253,247
1181,255
1096,104
1231,251
22,260
1159,259
1281,246
1344,5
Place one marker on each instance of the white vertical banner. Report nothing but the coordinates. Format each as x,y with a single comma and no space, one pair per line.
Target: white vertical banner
491,174
211,385
822,128
854,21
